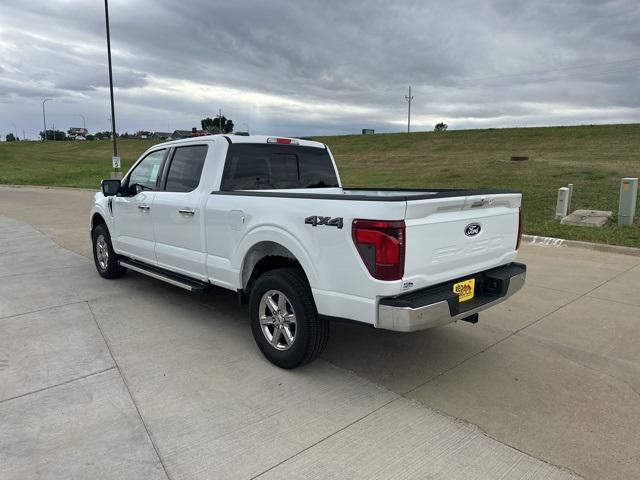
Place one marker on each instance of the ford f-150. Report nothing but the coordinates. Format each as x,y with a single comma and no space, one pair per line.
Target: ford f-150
268,218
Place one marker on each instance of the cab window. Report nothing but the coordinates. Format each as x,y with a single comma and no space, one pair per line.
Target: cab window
252,166
186,168
145,175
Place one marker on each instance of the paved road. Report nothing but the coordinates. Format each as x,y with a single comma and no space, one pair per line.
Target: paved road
133,378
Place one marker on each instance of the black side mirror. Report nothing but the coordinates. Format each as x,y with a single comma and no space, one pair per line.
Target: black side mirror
110,187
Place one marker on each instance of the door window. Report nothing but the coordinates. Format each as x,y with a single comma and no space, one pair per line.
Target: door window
145,175
186,168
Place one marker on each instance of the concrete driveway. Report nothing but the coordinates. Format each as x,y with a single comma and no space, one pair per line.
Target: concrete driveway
137,379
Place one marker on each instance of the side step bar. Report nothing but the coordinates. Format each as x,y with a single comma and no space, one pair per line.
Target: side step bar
181,281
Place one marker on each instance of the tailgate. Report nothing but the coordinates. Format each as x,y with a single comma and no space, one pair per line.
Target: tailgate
448,238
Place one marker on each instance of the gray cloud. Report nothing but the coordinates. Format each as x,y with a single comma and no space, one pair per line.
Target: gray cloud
322,66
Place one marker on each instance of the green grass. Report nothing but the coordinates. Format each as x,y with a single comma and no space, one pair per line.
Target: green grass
593,158
64,164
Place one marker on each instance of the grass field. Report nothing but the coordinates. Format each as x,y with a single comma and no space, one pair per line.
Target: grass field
593,158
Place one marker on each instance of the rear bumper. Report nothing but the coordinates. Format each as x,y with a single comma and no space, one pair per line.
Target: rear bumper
438,305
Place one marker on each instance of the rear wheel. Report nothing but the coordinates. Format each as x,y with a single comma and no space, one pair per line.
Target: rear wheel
105,258
284,320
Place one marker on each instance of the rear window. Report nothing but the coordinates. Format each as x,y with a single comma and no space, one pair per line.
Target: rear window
263,167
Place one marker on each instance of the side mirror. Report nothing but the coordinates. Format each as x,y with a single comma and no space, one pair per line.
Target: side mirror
110,187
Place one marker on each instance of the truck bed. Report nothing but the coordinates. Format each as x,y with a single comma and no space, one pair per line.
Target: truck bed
437,248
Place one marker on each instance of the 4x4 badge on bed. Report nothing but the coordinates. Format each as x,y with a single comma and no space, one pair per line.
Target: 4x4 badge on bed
472,229
316,220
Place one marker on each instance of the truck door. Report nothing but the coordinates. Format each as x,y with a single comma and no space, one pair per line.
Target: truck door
133,211
179,212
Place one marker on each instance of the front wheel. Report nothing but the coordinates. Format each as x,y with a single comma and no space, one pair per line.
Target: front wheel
284,320
105,258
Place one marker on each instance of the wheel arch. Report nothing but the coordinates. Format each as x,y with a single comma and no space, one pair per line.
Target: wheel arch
97,219
267,255
276,244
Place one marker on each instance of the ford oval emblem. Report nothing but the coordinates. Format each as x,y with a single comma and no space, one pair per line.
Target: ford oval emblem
472,229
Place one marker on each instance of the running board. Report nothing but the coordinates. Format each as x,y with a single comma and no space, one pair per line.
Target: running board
166,276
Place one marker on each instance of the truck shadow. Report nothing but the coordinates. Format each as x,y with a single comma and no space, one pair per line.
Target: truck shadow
404,361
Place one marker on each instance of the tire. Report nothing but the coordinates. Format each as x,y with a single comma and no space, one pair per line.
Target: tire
104,257
301,338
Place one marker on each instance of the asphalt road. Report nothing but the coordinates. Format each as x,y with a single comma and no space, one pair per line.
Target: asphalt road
137,379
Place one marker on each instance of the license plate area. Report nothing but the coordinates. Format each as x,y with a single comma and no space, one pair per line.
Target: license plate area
465,289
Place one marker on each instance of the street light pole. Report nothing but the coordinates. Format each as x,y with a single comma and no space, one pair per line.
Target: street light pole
44,118
115,160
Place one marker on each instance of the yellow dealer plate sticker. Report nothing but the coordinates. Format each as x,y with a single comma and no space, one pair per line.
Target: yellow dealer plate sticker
465,289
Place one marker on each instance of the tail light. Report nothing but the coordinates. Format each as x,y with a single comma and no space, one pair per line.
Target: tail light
520,228
381,246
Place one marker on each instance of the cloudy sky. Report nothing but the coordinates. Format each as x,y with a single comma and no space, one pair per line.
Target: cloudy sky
320,67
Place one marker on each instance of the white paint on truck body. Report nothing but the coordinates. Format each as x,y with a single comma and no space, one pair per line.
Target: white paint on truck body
213,243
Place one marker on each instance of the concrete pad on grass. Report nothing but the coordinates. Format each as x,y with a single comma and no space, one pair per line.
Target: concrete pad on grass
587,218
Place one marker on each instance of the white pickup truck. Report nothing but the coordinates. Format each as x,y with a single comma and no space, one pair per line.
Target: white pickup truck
267,217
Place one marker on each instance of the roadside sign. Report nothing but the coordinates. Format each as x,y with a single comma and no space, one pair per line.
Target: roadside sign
115,161
368,131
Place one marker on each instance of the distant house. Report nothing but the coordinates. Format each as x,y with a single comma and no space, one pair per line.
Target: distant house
194,132
74,132
160,135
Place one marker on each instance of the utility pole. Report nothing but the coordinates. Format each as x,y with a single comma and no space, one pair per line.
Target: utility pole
408,98
84,120
220,120
115,160
44,119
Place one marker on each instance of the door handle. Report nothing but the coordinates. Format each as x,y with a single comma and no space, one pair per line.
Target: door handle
144,207
187,211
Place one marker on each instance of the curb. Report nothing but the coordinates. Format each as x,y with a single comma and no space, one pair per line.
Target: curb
541,241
